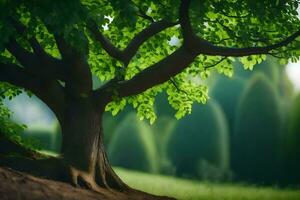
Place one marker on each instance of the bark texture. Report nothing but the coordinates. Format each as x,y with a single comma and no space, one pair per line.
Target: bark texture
83,150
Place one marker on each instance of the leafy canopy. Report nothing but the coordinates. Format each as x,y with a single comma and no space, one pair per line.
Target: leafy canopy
100,29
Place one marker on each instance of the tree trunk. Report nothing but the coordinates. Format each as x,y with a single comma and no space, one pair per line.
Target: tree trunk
83,149
83,162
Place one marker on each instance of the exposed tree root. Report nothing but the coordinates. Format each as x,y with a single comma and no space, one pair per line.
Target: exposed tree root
102,179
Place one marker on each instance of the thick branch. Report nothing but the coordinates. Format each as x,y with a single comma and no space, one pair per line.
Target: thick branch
21,29
25,58
51,93
127,54
17,76
186,27
106,44
157,73
190,40
42,65
198,45
175,63
143,36
210,49
39,62
79,79
179,60
151,76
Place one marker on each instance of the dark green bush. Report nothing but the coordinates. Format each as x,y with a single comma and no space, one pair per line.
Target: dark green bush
291,153
46,137
110,123
227,91
197,138
132,145
256,142
57,143
162,128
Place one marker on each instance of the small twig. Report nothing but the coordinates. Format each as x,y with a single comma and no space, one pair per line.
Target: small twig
178,89
143,14
234,16
176,86
213,65
276,56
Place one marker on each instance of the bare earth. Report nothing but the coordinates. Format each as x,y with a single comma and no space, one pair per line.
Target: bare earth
16,185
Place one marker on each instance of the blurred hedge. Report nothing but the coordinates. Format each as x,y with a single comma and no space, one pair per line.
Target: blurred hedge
201,137
132,145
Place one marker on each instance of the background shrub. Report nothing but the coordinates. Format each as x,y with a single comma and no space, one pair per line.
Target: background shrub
200,136
256,142
291,153
132,145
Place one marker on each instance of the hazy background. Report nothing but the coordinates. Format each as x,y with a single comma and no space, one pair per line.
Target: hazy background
247,132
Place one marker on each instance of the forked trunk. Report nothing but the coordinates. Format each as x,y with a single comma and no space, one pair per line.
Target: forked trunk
83,149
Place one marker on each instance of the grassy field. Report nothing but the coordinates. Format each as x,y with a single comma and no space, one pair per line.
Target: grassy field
192,190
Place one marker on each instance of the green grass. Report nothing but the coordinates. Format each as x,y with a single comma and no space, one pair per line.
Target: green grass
193,190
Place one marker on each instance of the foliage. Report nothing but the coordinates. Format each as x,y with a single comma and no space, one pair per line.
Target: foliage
10,130
190,145
223,23
257,133
7,126
133,146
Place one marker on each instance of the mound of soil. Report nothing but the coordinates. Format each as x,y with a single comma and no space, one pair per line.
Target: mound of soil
15,185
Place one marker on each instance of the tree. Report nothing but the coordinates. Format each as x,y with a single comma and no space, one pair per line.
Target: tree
51,48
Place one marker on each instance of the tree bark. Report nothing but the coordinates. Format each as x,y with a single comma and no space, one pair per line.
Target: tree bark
83,162
83,149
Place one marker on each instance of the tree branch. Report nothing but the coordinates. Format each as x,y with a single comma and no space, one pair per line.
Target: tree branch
127,54
42,65
38,63
142,13
106,44
51,93
149,77
198,45
178,88
186,27
175,63
210,49
218,62
21,29
143,36
79,79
